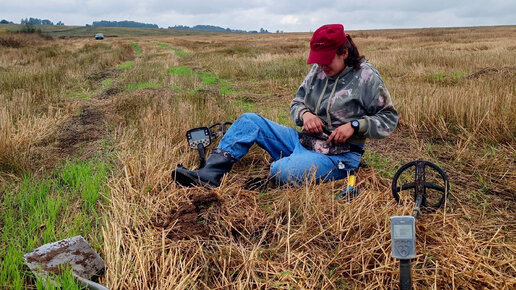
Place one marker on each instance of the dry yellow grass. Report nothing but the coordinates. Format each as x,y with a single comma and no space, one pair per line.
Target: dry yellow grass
454,88
284,238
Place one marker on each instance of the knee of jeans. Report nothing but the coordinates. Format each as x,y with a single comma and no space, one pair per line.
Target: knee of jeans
276,173
351,162
249,116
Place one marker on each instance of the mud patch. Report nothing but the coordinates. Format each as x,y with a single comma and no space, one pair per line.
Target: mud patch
491,70
85,127
99,76
188,220
237,216
109,93
78,136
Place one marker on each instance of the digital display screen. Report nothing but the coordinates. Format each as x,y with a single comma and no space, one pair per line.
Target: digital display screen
198,135
403,232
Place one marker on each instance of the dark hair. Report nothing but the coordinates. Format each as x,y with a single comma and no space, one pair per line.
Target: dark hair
354,56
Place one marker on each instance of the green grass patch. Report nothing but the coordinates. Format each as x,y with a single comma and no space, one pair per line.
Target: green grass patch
436,77
80,95
39,211
227,91
385,166
144,85
447,79
136,49
107,83
65,280
284,117
178,52
126,65
247,105
226,88
180,71
208,78
458,75
181,53
479,196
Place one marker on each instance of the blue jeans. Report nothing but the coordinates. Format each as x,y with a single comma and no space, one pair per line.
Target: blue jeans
293,163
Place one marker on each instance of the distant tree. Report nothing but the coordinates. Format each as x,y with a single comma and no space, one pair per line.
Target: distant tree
208,28
46,22
263,30
180,27
125,23
59,23
4,21
37,21
34,21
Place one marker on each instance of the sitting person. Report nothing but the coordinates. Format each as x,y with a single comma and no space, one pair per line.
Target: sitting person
341,102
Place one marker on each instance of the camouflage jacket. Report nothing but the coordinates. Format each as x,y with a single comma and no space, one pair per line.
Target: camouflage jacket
352,95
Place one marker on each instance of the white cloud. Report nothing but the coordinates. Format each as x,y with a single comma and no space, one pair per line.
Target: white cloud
286,15
290,20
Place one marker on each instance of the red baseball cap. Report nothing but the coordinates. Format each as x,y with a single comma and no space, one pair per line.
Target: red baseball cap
325,42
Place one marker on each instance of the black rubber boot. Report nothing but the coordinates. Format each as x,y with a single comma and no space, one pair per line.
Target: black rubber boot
218,163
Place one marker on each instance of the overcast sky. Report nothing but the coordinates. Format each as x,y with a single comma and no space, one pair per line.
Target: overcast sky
273,15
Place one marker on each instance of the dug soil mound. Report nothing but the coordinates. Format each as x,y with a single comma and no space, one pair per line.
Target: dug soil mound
206,214
187,220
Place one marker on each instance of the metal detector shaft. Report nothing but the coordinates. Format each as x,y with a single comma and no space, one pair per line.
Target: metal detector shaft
90,284
405,275
202,155
417,206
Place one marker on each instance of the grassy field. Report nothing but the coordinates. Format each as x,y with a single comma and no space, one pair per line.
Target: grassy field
90,131
90,31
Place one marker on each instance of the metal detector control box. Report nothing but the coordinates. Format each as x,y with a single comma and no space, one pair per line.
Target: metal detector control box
403,235
198,136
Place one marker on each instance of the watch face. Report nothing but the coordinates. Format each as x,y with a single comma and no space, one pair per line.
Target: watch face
354,124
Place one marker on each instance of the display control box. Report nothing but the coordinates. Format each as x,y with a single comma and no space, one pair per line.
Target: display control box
403,236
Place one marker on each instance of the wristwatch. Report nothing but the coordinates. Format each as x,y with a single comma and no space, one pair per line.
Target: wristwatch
355,125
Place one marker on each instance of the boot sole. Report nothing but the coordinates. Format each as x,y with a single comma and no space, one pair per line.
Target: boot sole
189,181
183,179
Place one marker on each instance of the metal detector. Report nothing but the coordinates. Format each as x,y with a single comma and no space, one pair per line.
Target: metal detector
201,137
403,232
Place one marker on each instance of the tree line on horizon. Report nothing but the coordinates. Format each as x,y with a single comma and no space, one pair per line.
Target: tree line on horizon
134,24
37,21
125,23
216,28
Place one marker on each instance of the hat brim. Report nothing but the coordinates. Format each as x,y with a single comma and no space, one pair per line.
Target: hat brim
321,56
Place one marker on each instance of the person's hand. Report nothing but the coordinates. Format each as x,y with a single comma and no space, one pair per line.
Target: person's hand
312,123
341,134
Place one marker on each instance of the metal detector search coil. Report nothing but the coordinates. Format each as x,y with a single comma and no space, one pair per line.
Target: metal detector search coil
420,186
